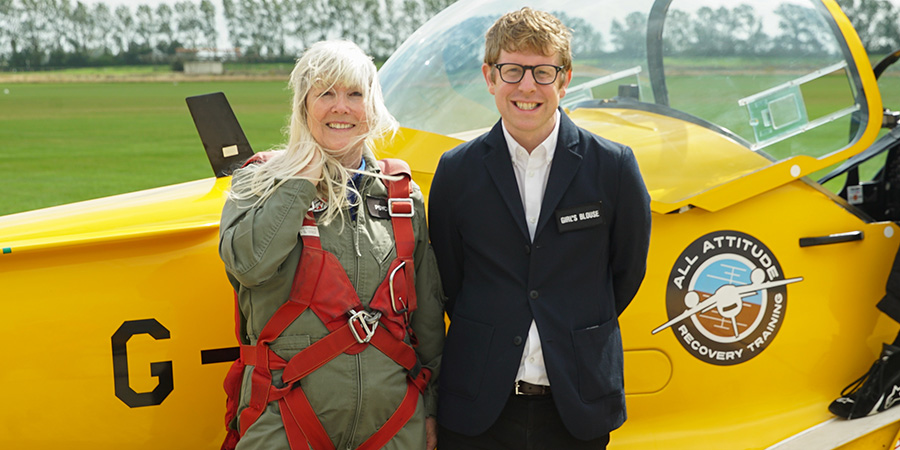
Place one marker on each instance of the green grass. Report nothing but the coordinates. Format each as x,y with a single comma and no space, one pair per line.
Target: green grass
61,143
66,142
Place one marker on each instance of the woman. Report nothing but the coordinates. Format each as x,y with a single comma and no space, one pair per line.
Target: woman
325,190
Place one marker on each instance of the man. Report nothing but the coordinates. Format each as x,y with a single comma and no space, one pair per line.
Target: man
541,232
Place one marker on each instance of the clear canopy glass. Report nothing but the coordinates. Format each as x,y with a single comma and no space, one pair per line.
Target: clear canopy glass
772,75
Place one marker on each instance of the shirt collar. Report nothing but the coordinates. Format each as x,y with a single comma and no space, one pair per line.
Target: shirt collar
517,151
355,177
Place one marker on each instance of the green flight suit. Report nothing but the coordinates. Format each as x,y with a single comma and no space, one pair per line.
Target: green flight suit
353,395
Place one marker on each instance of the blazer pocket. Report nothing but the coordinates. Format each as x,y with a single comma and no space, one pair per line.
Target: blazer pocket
599,359
465,357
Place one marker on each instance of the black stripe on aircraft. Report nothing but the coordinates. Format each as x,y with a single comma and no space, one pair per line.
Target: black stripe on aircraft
219,355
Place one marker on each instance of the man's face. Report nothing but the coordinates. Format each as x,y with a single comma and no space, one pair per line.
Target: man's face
527,108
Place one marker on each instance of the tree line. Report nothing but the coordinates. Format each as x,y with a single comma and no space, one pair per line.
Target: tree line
738,31
61,33
39,34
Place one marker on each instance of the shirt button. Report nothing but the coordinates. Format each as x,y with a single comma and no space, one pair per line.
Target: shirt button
531,219
517,340
531,360
533,295
530,173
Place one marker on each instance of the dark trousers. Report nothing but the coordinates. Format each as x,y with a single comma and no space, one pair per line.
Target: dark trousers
526,423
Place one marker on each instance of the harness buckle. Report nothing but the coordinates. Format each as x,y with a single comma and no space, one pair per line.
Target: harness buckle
391,286
400,201
367,321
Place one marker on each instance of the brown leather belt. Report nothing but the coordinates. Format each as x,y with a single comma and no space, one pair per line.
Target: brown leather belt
523,388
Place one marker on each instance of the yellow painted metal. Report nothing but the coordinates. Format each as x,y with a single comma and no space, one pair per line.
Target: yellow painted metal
72,276
421,150
831,329
678,160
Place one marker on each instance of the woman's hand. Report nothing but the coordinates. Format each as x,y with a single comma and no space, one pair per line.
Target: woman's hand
430,433
313,170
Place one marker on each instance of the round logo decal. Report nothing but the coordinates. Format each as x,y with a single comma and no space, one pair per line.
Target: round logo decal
726,298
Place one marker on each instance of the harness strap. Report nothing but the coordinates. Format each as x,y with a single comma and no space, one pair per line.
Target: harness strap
261,378
400,208
232,385
396,422
301,414
400,205
302,425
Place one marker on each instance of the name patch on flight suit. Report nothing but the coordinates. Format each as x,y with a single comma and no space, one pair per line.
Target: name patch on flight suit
579,217
377,207
318,205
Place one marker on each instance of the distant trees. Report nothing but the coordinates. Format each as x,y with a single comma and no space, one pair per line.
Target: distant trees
57,33
37,34
739,30
876,23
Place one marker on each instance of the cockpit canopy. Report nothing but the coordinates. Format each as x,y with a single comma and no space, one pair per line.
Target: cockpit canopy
773,77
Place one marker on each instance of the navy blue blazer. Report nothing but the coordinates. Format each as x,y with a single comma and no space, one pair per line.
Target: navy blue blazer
584,266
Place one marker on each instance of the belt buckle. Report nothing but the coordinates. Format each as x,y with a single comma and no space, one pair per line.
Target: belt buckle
539,389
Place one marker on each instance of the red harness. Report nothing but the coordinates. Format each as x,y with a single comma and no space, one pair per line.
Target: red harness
320,284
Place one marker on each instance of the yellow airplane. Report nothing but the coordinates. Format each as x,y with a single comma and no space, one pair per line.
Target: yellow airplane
759,132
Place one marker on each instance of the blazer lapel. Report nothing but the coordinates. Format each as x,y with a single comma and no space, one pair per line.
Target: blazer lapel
499,166
566,160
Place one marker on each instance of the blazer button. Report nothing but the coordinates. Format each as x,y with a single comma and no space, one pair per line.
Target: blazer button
517,340
527,249
533,294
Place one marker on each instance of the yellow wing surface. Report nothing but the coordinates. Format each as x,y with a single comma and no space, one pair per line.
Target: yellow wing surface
758,304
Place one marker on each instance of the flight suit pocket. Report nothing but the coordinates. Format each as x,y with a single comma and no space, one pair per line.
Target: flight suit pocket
599,359
466,355
288,346
384,253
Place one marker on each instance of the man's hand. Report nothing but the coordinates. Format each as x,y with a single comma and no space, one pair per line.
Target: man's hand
430,433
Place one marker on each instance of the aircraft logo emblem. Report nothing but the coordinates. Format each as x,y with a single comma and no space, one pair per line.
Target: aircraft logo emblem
726,298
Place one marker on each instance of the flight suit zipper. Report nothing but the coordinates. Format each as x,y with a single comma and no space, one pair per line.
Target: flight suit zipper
357,224
359,391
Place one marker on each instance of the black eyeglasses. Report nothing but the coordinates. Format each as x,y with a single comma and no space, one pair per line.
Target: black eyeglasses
542,73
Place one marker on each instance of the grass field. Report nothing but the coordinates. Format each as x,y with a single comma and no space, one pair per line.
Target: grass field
61,143
66,142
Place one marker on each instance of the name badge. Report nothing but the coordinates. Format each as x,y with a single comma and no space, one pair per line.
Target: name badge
579,217
377,207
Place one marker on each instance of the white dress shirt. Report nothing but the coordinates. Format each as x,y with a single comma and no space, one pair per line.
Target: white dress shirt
532,171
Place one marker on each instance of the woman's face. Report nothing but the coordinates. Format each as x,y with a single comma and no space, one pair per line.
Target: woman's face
336,117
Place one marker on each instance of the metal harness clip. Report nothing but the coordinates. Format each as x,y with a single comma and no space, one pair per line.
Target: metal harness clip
394,299
392,201
367,321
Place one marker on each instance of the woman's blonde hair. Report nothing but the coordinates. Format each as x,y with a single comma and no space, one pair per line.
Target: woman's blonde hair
324,65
